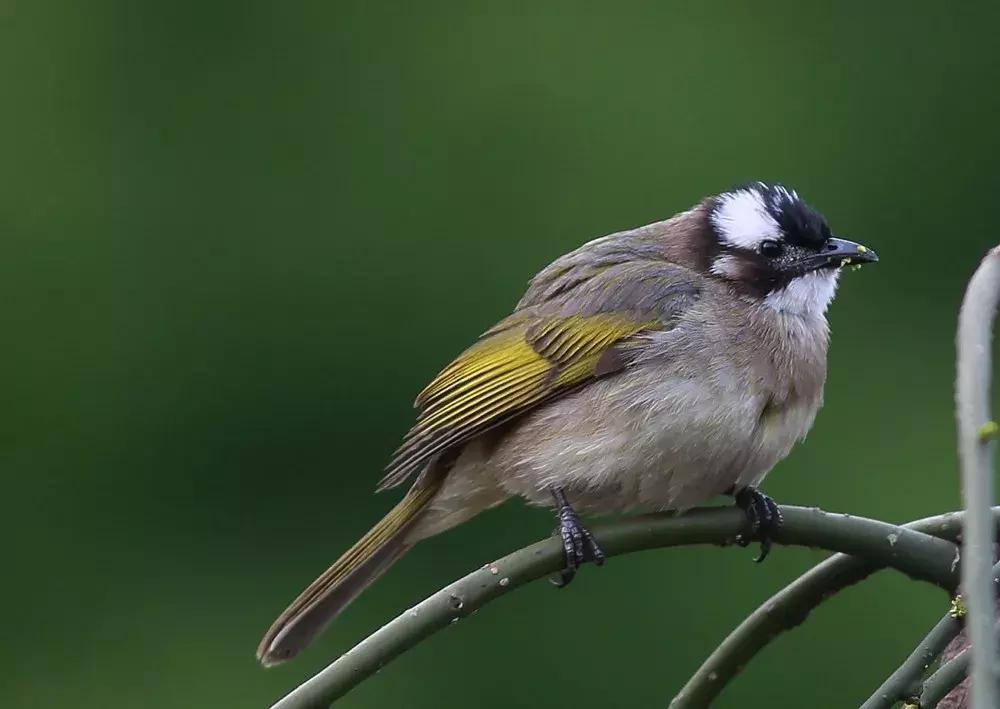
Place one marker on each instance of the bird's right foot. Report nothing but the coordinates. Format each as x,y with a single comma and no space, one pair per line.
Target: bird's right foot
763,517
579,545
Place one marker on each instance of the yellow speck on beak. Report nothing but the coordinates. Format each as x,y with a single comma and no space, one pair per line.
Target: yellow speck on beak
846,262
862,249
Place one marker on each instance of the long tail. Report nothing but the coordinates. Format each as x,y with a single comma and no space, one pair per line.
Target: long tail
349,575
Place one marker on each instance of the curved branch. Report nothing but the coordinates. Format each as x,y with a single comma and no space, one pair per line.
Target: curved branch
946,678
975,433
790,607
951,673
918,555
905,682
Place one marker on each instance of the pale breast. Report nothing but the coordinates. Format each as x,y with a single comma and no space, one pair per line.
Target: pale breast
647,440
707,410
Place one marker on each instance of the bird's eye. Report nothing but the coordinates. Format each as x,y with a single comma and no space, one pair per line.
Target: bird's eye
770,248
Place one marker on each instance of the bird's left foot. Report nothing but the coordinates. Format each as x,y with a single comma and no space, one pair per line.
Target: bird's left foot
579,545
763,517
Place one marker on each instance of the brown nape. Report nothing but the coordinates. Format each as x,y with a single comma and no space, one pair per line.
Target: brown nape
688,238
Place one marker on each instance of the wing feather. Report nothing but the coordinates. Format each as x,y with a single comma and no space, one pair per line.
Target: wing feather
542,351
502,376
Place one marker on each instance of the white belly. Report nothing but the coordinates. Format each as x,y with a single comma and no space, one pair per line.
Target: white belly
649,440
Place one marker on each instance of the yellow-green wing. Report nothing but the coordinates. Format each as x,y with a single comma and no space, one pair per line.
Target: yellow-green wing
522,362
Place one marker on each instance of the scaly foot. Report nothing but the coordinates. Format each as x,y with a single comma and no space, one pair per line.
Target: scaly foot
579,545
763,517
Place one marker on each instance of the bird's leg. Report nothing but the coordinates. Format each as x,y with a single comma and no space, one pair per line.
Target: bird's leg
578,543
763,517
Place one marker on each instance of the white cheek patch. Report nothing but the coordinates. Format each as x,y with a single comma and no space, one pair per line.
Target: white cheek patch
742,220
806,295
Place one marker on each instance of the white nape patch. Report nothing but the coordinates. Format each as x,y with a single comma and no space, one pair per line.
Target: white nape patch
726,266
807,295
742,220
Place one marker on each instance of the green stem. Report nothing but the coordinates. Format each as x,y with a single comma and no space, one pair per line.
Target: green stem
790,607
904,683
918,555
975,447
948,676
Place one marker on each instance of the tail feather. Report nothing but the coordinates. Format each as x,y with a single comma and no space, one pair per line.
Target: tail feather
347,577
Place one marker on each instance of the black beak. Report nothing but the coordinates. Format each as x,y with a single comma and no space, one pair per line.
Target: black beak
840,252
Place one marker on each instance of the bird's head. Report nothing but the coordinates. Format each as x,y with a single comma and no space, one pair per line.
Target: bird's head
770,245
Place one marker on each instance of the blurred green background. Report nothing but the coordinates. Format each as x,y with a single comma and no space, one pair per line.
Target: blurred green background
241,235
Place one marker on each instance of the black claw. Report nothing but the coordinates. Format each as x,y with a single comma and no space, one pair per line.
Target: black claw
579,545
763,517
565,576
765,549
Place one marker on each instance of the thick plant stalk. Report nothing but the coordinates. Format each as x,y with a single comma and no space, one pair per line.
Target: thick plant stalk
919,555
790,607
976,431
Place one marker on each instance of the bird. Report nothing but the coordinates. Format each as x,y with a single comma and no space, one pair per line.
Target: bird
649,370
